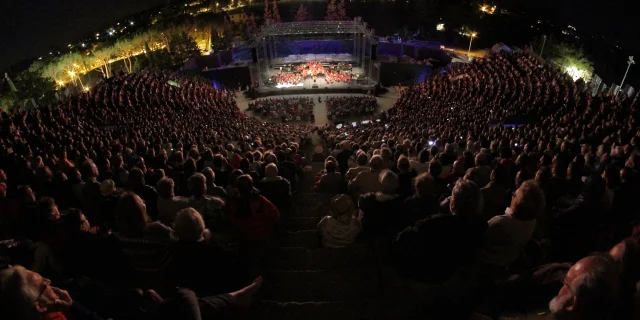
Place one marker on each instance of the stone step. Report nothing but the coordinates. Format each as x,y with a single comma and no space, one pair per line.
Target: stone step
369,309
309,239
357,255
302,223
335,285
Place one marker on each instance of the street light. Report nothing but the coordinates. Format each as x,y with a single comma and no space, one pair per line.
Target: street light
630,62
472,35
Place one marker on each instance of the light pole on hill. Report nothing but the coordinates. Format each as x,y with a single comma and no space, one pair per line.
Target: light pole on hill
630,62
544,40
472,35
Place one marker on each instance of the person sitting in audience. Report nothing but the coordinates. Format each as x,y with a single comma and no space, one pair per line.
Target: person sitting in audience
168,203
212,188
423,203
433,249
341,228
361,159
367,181
381,212
331,182
276,189
252,215
25,295
590,290
211,208
132,220
508,234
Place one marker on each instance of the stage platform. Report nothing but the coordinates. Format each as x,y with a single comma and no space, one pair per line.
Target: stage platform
320,86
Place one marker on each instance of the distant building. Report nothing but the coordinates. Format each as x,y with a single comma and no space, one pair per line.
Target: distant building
240,17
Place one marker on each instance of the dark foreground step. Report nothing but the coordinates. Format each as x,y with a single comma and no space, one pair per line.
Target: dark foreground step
335,285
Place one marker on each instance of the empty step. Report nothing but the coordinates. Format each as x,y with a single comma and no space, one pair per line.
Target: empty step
336,285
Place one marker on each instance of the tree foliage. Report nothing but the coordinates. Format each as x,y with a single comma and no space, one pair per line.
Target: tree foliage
569,57
332,11
302,14
182,46
267,13
275,14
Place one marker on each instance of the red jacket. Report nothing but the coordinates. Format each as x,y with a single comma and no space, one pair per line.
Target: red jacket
260,223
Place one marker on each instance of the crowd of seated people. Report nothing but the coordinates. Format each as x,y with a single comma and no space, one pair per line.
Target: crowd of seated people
313,69
496,217
334,75
287,78
139,187
111,199
290,109
346,106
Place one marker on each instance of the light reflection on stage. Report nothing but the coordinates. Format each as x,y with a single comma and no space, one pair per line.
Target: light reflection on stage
286,85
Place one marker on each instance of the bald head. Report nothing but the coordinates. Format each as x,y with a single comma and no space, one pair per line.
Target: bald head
590,290
375,163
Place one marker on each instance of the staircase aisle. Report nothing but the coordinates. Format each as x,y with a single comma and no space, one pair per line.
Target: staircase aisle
303,281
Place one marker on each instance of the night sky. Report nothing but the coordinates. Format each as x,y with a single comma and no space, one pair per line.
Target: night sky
32,27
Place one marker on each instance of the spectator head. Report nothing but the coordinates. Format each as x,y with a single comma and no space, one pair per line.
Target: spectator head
89,169
458,167
75,222
136,177
26,295
376,163
210,175
131,216
330,167
189,226
543,176
158,174
218,161
166,188
500,174
271,170
424,185
435,168
389,182
362,159
626,255
190,166
197,185
482,159
342,207
594,189
234,176
244,183
423,156
403,164
528,202
590,290
47,209
3,176
466,199
107,187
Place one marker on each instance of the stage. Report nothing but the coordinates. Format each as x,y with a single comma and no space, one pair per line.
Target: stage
360,83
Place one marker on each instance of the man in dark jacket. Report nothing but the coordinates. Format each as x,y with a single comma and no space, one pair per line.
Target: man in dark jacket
275,188
434,248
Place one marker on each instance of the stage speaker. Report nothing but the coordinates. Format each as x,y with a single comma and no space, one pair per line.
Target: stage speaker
254,54
374,48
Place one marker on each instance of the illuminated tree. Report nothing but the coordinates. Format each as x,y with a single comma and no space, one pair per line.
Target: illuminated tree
267,13
275,15
572,60
250,23
332,11
342,11
302,14
182,46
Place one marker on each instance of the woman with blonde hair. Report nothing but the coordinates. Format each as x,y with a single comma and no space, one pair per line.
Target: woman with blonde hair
341,228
